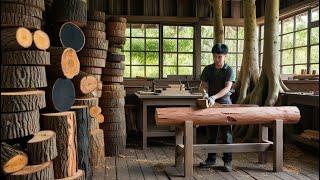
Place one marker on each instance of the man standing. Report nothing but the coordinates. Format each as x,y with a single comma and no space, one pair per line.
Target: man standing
216,82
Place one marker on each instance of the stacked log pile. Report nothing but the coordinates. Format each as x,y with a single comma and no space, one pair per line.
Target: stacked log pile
26,152
112,100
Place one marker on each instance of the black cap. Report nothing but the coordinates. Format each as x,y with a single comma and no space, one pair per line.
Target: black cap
220,48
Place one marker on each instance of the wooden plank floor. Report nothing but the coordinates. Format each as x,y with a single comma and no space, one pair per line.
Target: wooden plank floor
156,162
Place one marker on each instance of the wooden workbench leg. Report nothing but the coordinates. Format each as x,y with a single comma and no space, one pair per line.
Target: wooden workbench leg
188,149
179,141
144,126
278,146
263,136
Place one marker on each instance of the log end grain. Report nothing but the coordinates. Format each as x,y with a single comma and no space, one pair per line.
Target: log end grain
41,40
24,37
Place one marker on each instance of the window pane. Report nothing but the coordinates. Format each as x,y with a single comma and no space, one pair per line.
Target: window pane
302,21
169,71
185,32
152,58
232,45
301,38
315,14
301,55
240,59
128,30
137,30
232,59
206,58
314,54
287,57
169,59
287,70
152,71
170,31
127,45
230,32
240,45
207,31
152,45
185,45
315,67
185,71
170,45
206,44
297,68
315,35
127,72
137,44
185,59
287,41
137,58
137,71
287,25
152,30
240,32
127,58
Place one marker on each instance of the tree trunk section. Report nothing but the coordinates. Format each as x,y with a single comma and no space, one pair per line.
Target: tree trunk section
18,20
94,43
27,57
116,57
64,124
41,171
94,25
15,38
42,147
92,62
112,79
12,160
92,70
86,102
84,84
95,53
94,15
116,29
80,175
94,34
113,72
97,158
34,3
217,20
41,40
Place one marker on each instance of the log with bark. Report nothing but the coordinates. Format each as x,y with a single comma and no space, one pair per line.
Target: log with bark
19,124
80,175
42,147
111,102
92,62
94,34
217,20
112,79
26,57
94,15
21,9
18,20
114,114
96,140
86,101
22,101
116,57
92,70
113,65
113,94
34,3
84,84
113,87
15,38
41,171
41,40
93,124
116,26
95,53
94,25
12,160
95,43
64,124
113,72
116,41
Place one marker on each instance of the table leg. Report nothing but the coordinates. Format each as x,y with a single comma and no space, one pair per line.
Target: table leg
188,149
263,136
144,126
179,141
278,146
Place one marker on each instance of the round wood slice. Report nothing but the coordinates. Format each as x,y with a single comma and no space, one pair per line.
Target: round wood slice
63,94
87,102
94,34
76,12
112,79
15,38
94,43
64,124
113,65
94,25
117,19
94,111
22,101
27,57
93,124
93,53
114,114
113,72
41,40
23,77
116,29
100,118
84,84
116,40
114,126
97,158
41,171
13,160
42,147
92,70
21,9
99,16
92,62
72,36
17,20
19,124
112,102
113,87
79,175
34,3
116,57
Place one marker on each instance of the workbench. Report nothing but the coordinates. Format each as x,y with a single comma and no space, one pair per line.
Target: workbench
161,100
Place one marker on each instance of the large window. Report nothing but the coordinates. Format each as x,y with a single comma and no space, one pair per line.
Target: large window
233,39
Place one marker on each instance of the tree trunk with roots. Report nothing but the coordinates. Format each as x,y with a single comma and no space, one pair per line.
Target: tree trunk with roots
217,20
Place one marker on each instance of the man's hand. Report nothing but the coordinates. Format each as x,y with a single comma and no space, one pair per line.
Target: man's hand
205,96
211,100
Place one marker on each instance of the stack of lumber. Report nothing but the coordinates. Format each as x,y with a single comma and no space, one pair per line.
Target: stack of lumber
24,57
113,94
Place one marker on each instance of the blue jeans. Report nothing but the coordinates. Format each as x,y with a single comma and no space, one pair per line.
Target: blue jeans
226,134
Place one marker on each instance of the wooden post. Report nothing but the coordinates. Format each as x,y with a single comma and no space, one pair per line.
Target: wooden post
179,141
263,136
144,126
188,149
278,145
